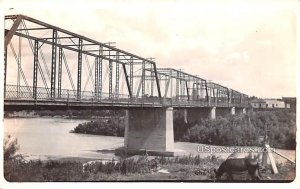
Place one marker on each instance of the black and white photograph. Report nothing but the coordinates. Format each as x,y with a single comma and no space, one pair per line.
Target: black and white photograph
149,91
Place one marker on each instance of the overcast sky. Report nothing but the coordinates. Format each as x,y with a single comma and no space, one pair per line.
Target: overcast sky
250,47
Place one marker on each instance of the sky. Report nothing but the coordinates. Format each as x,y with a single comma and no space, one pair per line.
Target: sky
250,47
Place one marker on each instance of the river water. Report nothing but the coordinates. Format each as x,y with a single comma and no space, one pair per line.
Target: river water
50,138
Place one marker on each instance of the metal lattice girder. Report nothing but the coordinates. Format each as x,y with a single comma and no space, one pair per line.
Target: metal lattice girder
131,73
59,71
177,84
100,79
152,78
96,89
68,37
35,68
117,75
5,69
79,69
143,78
66,40
110,78
53,64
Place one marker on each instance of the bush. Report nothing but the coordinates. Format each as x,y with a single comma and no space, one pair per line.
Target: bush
111,127
10,147
244,130
233,130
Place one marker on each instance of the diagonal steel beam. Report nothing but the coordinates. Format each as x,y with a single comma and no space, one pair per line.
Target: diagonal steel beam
13,29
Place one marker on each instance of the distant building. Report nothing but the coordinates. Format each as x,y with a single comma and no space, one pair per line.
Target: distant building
271,103
274,103
290,102
258,103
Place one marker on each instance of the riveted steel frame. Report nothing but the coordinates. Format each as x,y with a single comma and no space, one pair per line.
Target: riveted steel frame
187,86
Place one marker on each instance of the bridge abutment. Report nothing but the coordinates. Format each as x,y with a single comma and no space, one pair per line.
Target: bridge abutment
151,130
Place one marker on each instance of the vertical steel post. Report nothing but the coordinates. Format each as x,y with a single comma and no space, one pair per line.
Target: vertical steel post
79,69
53,64
131,74
207,97
214,96
100,73
182,86
177,85
110,77
187,90
228,98
152,77
5,69
100,79
35,68
96,89
117,75
19,67
59,71
143,78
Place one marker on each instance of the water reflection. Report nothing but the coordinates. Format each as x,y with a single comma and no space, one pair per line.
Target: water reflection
51,138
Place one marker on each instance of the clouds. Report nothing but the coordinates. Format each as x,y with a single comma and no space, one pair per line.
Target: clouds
249,47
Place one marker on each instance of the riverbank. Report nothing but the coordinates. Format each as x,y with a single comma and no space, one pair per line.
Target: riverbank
137,168
188,164
69,114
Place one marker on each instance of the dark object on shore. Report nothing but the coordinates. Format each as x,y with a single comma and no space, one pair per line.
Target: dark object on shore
238,165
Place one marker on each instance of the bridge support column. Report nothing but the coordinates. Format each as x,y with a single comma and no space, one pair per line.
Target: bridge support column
232,111
151,130
185,116
212,114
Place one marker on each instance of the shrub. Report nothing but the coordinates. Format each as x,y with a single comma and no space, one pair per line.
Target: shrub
10,147
244,130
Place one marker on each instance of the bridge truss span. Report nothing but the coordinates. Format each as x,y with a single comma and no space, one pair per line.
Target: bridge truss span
44,63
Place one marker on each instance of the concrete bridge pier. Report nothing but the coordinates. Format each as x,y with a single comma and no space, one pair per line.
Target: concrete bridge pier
232,111
151,130
212,113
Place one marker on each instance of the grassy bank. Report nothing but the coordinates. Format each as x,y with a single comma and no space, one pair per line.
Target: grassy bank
172,169
184,168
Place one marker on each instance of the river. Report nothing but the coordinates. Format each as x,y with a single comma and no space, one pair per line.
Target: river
50,138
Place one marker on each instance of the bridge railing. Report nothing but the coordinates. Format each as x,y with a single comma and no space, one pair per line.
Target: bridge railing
15,92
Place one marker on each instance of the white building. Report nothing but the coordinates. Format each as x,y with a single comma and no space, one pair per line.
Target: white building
274,103
268,103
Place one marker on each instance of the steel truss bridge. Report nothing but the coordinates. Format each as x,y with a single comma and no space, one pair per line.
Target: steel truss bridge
48,65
